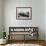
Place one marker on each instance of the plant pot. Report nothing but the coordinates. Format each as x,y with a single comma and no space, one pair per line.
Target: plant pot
3,41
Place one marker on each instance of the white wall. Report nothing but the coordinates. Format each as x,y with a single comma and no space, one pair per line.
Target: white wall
38,7
37,15
0,18
45,19
0,11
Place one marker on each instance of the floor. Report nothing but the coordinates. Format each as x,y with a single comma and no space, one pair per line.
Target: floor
25,43
21,44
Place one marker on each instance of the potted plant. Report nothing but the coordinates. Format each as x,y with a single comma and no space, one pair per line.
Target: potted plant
3,37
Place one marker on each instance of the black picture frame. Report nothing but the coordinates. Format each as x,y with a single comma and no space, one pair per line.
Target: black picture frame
23,13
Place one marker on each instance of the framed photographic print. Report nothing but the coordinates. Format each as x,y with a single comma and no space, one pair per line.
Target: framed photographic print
23,13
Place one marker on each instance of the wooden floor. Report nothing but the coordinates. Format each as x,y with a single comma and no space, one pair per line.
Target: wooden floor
40,42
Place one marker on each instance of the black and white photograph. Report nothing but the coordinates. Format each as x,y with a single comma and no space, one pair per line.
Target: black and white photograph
23,13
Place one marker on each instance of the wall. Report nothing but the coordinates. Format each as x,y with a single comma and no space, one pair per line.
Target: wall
37,15
45,19
0,18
